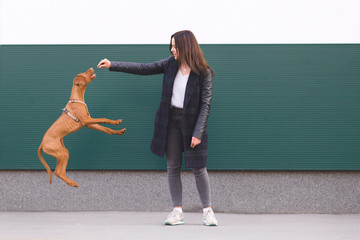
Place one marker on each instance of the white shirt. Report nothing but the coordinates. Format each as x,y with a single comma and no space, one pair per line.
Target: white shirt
179,88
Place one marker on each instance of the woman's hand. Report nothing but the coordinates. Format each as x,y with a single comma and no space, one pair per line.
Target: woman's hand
194,142
104,64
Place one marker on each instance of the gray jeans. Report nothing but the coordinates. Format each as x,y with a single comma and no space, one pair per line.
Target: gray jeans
174,148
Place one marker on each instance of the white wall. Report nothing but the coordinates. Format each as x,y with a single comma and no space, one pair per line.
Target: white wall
152,22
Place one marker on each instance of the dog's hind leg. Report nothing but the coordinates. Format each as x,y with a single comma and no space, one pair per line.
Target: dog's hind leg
62,158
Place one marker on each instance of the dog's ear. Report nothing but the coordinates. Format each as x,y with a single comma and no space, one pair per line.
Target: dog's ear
79,80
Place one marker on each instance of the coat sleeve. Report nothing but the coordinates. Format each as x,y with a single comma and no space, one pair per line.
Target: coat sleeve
206,95
141,68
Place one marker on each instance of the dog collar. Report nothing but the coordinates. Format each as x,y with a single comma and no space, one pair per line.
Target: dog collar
78,101
72,116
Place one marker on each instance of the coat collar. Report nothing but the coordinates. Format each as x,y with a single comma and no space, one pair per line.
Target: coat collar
190,86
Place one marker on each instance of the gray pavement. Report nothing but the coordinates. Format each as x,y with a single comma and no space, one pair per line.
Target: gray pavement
148,225
242,192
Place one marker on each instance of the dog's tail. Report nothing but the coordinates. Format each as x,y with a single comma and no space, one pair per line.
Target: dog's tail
44,163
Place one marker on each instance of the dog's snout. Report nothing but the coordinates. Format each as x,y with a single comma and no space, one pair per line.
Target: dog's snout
91,73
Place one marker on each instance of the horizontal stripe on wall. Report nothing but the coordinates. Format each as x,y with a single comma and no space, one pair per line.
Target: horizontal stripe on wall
274,107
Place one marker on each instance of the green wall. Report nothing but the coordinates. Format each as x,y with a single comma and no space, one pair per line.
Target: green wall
275,107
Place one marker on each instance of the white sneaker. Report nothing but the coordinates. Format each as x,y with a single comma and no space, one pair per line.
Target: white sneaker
209,218
175,218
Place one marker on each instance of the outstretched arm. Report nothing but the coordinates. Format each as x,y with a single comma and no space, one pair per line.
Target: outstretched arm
136,68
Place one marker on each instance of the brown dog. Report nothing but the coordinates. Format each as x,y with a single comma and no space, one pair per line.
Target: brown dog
75,115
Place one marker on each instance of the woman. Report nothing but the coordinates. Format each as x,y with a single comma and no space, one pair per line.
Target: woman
180,123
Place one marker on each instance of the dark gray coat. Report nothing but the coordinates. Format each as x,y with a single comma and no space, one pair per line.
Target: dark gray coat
195,112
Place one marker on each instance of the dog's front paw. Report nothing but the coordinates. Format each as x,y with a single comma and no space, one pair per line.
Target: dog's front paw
118,121
120,132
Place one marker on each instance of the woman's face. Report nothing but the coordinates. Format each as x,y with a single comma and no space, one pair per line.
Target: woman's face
173,49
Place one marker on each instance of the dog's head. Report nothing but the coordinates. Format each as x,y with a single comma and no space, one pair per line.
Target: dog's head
83,79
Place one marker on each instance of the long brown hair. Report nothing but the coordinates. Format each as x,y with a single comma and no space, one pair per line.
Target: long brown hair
189,52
